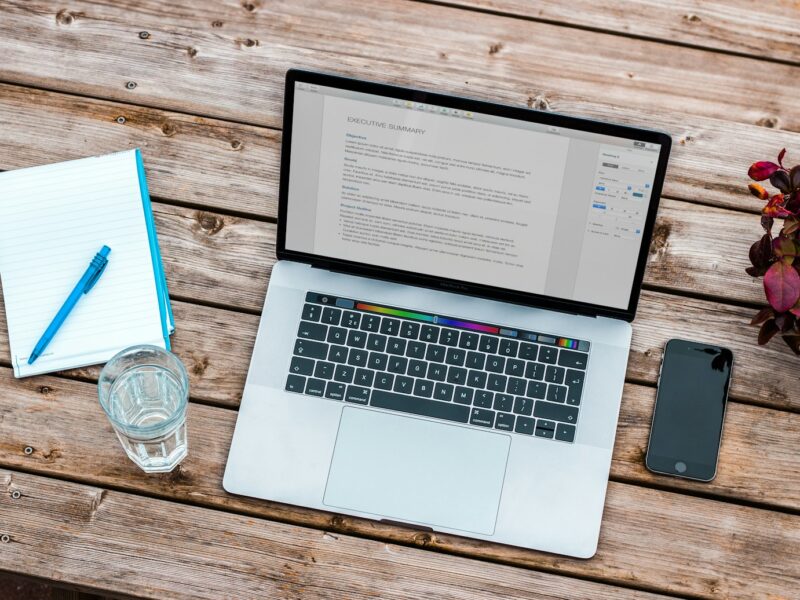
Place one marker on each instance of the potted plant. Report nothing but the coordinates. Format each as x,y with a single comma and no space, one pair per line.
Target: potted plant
776,257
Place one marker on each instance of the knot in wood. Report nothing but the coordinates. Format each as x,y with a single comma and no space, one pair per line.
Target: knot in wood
495,48
168,129
423,539
770,122
539,102
249,42
236,145
192,52
211,224
216,24
43,389
65,17
249,6
691,18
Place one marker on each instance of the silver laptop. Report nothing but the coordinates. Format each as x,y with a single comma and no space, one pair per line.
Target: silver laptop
446,331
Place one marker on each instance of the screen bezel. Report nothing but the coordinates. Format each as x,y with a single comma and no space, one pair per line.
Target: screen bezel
294,76
666,465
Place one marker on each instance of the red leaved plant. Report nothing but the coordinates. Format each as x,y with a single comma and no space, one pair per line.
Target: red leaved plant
776,258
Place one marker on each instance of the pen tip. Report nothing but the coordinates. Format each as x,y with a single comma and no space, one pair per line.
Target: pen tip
32,358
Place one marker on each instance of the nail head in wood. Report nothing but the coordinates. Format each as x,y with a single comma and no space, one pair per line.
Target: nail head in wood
16,494
130,85
28,450
144,35
5,538
121,120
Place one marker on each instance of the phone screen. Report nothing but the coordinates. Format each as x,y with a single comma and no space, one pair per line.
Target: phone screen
690,407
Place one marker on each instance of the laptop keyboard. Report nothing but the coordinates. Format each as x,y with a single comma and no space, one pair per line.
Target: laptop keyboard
483,375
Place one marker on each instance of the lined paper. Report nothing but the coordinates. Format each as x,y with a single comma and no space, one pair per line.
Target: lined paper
53,220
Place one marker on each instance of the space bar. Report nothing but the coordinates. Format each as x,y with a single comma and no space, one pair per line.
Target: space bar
420,406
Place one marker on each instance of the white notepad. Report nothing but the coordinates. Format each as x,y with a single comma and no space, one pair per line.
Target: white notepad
53,220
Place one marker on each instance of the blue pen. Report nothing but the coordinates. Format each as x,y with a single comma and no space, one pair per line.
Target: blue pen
86,283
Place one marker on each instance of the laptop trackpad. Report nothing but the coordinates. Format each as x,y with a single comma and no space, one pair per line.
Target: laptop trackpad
408,469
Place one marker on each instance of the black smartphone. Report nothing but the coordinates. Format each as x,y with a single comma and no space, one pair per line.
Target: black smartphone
690,409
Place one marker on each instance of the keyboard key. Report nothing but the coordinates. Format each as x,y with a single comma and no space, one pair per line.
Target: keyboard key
331,315
457,375
390,326
508,347
477,379
455,356
476,360
515,367
338,354
483,399
523,405
301,366
504,421
315,387
556,412
565,433
356,339
429,333
463,395
547,354
337,335
364,377
534,371
528,351
351,319
524,425
357,394
384,381
468,341
556,393
344,373
398,364
516,386
417,368
503,402
545,429
310,349
415,350
295,383
554,374
334,390
376,342
437,372
495,364
420,406
482,417
574,381
448,337
312,331
424,388
488,344
572,359
378,361
536,389
324,370
443,391
403,384
311,312
409,330
435,353
370,323
396,346
357,358
497,383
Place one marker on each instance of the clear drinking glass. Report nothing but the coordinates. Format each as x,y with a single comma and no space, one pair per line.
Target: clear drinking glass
144,391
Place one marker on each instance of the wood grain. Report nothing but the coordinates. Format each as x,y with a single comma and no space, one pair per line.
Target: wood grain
221,59
654,539
120,543
192,160
766,30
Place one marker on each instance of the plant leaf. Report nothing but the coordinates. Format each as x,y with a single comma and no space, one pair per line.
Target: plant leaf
794,177
766,223
758,191
790,225
761,252
784,248
761,170
780,179
793,341
763,315
781,154
774,208
767,332
782,286
793,204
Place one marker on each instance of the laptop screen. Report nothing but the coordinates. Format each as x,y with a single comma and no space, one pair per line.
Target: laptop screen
467,196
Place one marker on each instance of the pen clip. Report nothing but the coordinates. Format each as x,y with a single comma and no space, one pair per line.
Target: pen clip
95,277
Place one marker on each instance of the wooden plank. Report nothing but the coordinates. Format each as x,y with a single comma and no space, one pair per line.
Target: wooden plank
71,438
766,30
225,260
119,543
191,160
221,59
650,539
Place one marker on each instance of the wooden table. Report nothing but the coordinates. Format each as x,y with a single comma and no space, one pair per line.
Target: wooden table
197,85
